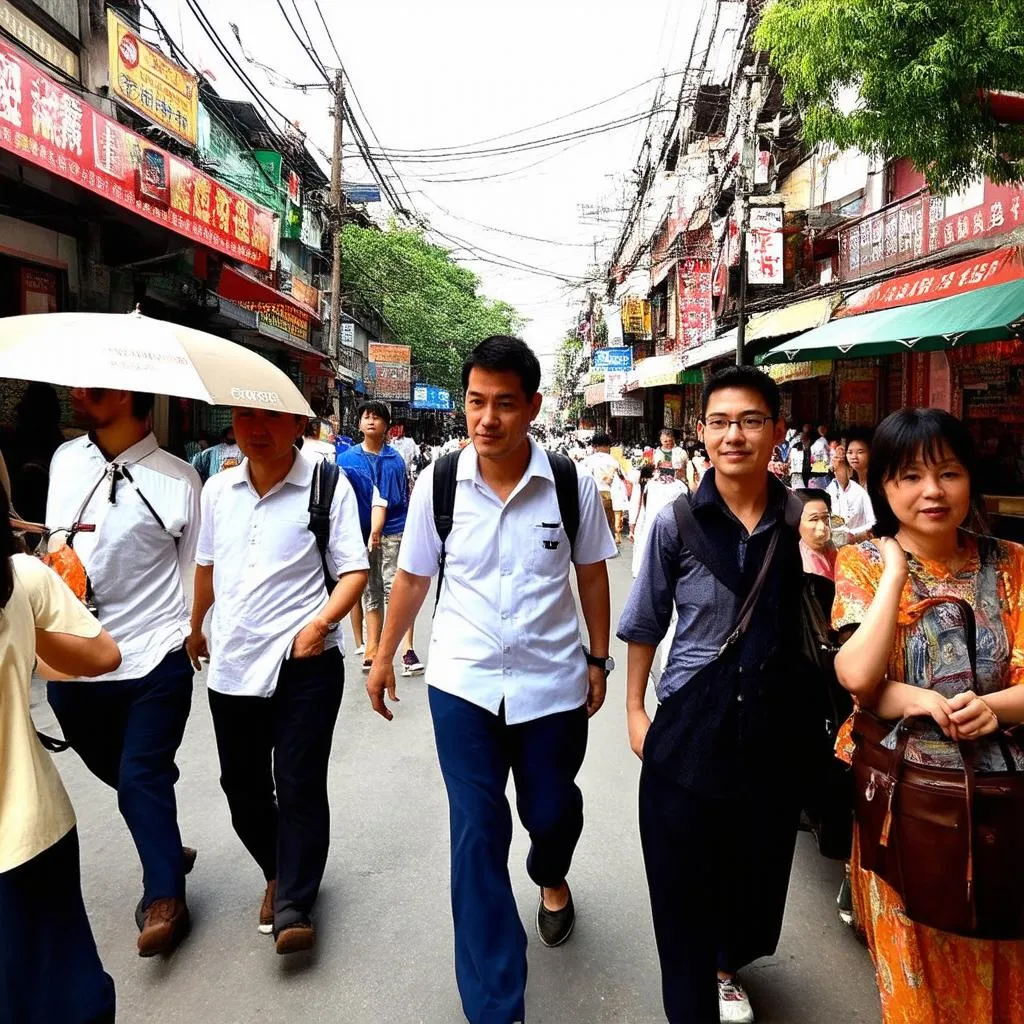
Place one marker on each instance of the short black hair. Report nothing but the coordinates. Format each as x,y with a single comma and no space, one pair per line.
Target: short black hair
142,404
748,377
861,434
312,428
809,494
601,441
377,408
903,438
503,353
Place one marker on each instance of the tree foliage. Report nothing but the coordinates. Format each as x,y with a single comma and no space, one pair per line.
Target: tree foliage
921,68
567,369
431,302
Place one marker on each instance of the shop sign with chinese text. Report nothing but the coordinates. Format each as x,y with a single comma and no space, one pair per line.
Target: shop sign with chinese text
284,317
426,396
695,301
380,353
392,381
764,246
614,384
45,124
38,40
156,88
306,293
631,407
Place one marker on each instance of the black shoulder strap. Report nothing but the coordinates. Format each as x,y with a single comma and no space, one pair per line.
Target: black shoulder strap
567,490
321,496
697,542
445,481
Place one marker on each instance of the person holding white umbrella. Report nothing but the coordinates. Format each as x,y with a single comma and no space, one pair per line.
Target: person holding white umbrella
131,512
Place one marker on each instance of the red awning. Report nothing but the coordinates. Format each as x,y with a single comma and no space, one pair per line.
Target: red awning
241,288
996,267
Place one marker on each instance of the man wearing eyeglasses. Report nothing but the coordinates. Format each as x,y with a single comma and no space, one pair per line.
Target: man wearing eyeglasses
718,807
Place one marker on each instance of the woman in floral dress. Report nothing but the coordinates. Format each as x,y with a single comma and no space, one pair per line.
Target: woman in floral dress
906,656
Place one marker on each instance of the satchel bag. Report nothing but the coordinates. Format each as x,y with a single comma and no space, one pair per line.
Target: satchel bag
949,841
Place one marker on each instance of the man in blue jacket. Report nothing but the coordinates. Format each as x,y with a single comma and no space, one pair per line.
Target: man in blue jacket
382,463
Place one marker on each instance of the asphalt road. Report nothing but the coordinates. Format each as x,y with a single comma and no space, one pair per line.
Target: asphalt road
384,951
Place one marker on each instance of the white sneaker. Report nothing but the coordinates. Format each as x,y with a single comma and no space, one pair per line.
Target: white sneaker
361,649
733,1003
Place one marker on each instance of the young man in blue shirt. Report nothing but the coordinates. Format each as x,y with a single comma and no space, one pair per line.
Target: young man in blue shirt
383,464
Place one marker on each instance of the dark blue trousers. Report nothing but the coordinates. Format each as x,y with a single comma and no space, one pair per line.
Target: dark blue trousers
477,750
128,732
50,972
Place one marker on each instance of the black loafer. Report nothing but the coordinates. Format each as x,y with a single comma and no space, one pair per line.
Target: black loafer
555,926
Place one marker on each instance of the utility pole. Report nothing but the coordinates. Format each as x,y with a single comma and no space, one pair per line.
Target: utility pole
744,178
336,212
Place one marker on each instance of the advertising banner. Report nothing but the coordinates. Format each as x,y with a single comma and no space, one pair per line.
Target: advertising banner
612,359
380,353
38,40
45,124
392,381
427,396
156,88
630,407
614,383
765,246
696,303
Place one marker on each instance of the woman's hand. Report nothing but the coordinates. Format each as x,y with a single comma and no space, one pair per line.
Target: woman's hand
894,558
972,718
931,704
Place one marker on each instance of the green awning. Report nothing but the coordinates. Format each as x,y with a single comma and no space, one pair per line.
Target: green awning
987,314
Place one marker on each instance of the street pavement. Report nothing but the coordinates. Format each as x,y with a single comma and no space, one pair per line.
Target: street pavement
384,934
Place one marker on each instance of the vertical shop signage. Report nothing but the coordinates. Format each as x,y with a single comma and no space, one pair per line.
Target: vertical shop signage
765,246
695,301
392,371
156,88
43,123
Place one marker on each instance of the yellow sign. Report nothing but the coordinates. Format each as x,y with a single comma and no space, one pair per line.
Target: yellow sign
788,373
38,40
143,79
636,316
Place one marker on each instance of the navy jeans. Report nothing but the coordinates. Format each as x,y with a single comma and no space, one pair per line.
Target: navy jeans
128,732
477,750
274,755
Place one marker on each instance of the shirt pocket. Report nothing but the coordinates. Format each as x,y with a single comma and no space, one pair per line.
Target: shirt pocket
548,552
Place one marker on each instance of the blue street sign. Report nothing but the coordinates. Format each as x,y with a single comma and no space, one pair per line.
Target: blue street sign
612,360
426,396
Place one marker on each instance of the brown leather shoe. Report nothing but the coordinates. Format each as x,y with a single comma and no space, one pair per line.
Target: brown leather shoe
295,938
165,923
267,910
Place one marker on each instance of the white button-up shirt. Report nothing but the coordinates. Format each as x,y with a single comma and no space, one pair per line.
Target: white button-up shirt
506,626
268,579
853,504
139,570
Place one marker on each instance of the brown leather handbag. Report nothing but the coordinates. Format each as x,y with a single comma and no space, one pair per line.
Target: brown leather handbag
949,841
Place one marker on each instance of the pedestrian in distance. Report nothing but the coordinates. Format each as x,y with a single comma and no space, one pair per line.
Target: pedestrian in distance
273,534
850,501
669,451
858,454
605,469
817,552
510,686
718,808
49,968
384,465
223,455
313,447
907,657
130,511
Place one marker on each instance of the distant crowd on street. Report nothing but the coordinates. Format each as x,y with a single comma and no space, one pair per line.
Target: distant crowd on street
841,649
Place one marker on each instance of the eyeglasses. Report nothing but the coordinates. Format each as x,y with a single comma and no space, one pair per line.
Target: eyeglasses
750,424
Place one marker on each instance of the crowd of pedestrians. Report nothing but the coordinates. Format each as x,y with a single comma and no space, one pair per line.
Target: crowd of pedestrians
252,572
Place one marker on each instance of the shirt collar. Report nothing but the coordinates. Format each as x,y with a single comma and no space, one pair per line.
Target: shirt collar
469,464
708,495
136,453
300,475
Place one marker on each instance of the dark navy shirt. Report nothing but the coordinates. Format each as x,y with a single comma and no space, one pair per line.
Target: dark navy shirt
670,576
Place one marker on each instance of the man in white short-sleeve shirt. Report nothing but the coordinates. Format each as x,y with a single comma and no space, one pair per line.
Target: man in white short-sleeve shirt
139,510
510,684
276,671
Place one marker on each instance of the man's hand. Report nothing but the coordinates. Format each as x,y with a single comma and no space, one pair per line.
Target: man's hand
972,717
309,641
638,722
374,541
598,689
381,678
197,649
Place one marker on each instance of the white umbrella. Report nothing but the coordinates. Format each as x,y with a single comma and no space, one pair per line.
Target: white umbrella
132,352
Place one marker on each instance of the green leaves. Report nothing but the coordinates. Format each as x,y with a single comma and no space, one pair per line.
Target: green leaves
430,302
921,68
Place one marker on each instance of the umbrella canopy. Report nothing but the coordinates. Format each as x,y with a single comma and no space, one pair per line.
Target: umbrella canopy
132,352
988,314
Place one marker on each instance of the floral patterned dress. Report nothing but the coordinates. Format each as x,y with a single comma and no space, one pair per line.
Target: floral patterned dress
926,976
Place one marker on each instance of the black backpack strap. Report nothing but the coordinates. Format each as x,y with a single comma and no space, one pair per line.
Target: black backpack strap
321,497
696,541
567,490
445,481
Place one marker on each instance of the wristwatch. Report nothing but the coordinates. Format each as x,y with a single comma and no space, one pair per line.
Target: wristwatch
608,664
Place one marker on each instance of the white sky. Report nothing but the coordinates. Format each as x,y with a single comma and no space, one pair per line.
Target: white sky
437,73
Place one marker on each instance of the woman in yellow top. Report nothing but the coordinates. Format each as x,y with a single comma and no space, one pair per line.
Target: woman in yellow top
49,968
907,658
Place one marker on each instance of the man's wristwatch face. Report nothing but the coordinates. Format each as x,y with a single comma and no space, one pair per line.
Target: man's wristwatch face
608,664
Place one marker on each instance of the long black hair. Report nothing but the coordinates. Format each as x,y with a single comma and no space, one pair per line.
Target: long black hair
901,440
8,546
